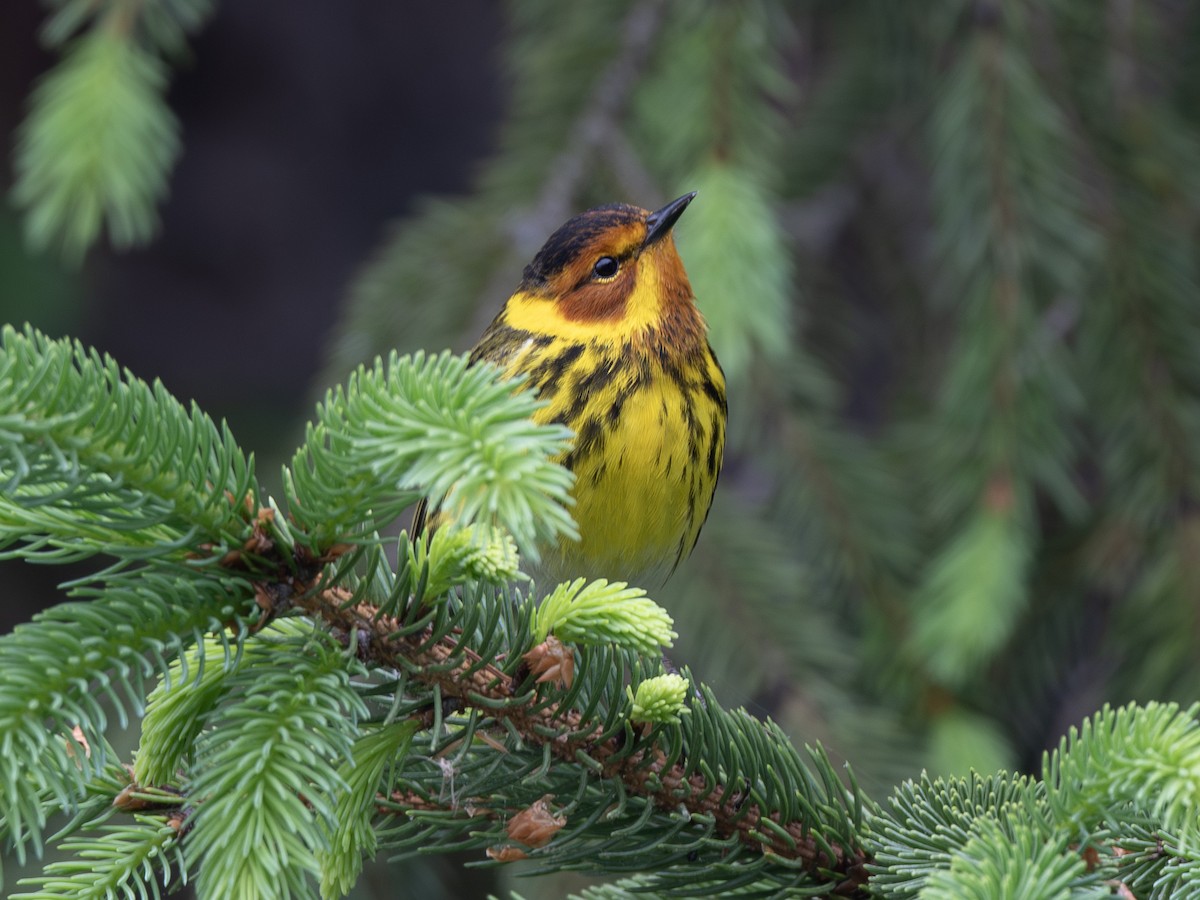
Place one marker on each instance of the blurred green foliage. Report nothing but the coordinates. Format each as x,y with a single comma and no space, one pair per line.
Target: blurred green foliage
948,258
947,253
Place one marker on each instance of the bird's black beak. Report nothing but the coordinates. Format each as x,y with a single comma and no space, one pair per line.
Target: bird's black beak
659,222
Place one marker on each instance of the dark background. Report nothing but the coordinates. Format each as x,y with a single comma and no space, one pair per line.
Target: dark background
306,129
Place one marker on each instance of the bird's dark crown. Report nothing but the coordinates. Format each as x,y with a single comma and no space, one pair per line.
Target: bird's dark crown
576,236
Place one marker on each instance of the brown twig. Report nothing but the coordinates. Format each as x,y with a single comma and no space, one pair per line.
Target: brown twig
644,772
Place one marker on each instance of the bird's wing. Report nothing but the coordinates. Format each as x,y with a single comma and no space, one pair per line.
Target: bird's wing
420,518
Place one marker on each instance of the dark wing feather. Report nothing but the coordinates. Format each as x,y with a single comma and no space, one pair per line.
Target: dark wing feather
420,519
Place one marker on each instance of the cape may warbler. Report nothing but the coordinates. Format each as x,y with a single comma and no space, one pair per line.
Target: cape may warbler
605,328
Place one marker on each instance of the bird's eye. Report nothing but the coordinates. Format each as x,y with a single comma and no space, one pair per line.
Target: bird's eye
606,267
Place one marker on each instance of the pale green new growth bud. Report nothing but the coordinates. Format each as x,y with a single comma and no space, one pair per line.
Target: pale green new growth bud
603,613
659,700
492,555
477,553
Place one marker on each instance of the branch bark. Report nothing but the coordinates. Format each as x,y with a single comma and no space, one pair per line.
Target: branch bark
541,721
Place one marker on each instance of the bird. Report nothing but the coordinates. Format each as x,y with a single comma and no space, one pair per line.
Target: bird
605,328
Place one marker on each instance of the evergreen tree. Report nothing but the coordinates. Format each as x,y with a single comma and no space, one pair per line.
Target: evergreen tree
947,253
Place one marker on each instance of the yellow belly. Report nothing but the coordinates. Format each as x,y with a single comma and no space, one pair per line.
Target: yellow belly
631,502
647,454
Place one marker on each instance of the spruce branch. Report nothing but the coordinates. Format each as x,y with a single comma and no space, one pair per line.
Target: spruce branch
602,613
1136,354
100,140
477,552
97,147
972,571
1081,426
1013,237
735,248
266,775
179,707
353,837
1020,859
316,705
717,98
1156,864
58,668
163,25
1112,796
139,859
428,426
645,770
1147,757
94,460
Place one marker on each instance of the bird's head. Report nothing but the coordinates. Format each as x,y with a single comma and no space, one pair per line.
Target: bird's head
610,269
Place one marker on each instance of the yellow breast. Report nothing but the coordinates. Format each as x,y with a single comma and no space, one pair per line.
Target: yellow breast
650,434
